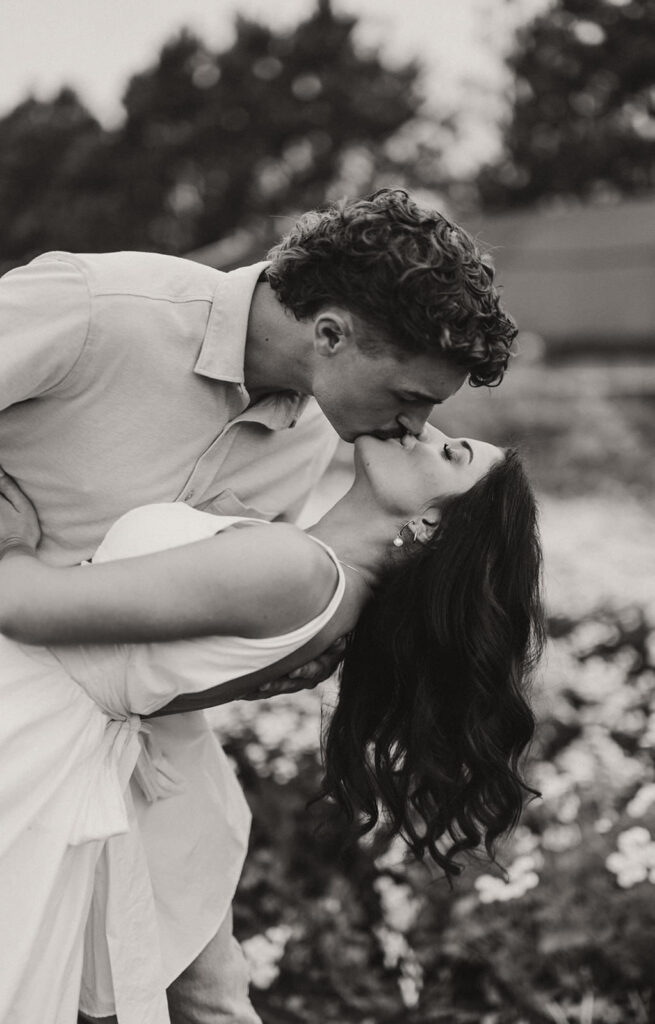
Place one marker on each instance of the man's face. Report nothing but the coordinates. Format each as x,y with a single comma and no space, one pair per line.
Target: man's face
384,392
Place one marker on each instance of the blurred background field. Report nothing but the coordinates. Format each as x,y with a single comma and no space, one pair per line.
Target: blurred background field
532,122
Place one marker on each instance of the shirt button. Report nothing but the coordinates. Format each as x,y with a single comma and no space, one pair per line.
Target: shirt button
188,496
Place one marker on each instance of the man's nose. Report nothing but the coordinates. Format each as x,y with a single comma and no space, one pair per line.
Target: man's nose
414,424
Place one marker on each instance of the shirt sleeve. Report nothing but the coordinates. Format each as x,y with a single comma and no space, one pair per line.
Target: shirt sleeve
44,320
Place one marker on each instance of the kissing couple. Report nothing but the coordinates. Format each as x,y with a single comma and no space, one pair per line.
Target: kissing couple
161,427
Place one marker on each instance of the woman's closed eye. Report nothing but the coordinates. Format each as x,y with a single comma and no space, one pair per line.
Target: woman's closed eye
448,452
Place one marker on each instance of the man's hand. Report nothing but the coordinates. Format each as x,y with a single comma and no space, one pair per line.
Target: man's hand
19,523
304,678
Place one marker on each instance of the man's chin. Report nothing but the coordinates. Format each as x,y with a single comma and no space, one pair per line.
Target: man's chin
352,436
364,439
348,435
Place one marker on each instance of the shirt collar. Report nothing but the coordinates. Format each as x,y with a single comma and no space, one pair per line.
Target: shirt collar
222,354
224,345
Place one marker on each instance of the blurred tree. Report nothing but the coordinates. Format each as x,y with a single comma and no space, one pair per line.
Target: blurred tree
583,117
256,129
209,141
40,145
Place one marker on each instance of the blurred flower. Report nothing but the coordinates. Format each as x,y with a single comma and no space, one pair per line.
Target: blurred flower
598,678
410,981
641,801
569,808
553,784
593,633
397,952
400,907
647,740
634,861
278,732
524,841
393,944
395,856
594,760
561,837
522,876
264,952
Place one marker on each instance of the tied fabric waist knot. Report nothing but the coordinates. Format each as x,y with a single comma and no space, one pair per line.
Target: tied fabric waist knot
153,773
128,930
125,750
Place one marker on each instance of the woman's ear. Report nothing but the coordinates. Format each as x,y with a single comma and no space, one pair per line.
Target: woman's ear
423,527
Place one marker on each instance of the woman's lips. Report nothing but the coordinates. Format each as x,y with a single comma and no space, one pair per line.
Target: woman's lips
408,441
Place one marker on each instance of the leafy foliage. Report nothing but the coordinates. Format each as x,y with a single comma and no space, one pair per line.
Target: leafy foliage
583,116
209,140
566,936
42,147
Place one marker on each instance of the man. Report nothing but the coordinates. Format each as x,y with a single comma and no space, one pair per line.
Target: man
129,378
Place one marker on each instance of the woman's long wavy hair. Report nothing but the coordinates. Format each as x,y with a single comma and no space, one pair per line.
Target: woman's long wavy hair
433,713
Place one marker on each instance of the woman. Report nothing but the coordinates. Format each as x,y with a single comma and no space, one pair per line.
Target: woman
431,563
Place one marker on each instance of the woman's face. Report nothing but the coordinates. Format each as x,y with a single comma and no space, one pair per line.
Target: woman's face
406,476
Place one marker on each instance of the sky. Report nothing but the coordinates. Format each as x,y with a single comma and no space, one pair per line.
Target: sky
95,45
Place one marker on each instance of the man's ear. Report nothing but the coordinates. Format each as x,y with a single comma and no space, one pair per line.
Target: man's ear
423,526
333,331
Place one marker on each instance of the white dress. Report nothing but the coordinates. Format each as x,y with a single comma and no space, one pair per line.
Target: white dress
152,864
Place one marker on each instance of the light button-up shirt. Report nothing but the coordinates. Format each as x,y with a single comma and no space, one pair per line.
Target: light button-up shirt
122,383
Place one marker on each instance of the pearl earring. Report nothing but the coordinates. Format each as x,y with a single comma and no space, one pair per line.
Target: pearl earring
413,529
398,541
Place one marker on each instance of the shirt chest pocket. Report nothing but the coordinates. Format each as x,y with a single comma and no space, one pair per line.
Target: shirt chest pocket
227,503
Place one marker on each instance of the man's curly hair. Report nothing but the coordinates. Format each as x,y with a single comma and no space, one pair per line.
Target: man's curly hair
417,280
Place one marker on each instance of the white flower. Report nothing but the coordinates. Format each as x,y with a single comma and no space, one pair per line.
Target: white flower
522,876
596,679
410,982
394,856
400,907
634,839
569,808
561,837
264,952
641,801
592,633
552,783
634,861
410,991
397,952
524,841
393,944
594,760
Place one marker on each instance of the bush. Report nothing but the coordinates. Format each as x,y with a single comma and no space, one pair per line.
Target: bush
564,936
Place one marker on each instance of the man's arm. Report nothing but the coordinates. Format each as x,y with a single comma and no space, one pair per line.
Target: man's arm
270,681
44,320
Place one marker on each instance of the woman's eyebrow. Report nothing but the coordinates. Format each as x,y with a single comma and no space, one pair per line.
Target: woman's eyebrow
466,445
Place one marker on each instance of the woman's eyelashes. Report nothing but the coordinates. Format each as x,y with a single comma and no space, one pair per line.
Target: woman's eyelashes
448,453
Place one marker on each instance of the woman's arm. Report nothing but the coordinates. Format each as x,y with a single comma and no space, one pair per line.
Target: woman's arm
263,581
